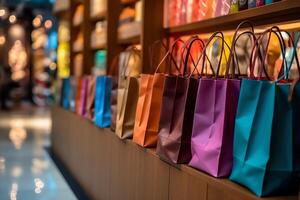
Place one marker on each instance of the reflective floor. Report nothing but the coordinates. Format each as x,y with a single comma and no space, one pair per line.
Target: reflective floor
26,170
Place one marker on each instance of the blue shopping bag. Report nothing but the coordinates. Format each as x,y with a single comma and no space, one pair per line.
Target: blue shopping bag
102,101
66,88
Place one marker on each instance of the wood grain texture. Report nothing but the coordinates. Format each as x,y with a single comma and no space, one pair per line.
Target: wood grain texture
111,169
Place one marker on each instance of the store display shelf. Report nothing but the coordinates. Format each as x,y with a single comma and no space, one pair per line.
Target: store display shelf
282,11
129,3
99,17
100,47
131,40
61,13
76,51
77,26
139,173
76,2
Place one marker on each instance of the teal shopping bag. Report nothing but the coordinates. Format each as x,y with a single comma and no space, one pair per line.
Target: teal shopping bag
66,88
266,159
102,101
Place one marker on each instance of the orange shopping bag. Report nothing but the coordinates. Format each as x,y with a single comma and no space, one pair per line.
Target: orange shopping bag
149,104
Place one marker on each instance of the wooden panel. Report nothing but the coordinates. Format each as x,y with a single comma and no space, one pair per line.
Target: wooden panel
108,168
284,10
184,186
152,29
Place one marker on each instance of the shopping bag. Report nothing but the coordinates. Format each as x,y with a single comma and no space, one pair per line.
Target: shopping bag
81,96
214,118
66,86
178,104
78,95
114,75
149,107
90,99
266,138
128,90
102,101
73,91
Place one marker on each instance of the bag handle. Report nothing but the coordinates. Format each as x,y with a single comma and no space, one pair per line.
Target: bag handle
288,67
132,50
186,53
257,49
188,46
169,55
219,35
233,53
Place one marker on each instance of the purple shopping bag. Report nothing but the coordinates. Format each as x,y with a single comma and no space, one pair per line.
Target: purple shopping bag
214,119
177,111
83,96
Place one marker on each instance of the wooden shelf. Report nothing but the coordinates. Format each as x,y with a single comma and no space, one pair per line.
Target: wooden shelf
285,10
77,51
102,47
76,26
109,163
99,17
61,13
130,40
130,3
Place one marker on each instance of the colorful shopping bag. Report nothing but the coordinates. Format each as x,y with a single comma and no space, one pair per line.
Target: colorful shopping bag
149,105
73,91
81,96
78,95
90,100
214,118
66,86
178,104
102,101
128,91
267,137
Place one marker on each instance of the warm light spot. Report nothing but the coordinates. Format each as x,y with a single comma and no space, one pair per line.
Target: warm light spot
12,19
52,66
37,22
2,40
17,135
48,24
2,12
39,185
14,191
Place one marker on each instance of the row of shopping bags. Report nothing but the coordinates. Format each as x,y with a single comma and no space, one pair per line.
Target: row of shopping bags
227,126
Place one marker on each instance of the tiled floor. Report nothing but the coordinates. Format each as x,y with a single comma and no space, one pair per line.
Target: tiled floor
26,170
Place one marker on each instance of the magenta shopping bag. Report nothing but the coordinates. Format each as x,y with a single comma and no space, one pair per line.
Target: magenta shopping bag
214,119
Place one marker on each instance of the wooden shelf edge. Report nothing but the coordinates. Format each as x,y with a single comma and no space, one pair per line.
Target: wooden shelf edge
282,11
130,3
61,13
131,40
102,47
99,17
